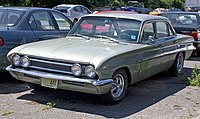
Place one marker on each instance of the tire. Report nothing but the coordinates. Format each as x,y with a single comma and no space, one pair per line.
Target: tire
34,86
118,88
177,66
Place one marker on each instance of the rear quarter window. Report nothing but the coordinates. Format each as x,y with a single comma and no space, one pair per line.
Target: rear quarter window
10,17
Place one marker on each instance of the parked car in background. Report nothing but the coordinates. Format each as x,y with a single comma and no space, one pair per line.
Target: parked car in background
114,51
137,7
158,11
194,9
106,8
174,10
73,12
187,23
24,25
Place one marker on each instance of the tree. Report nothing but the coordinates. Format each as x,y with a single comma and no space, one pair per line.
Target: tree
93,3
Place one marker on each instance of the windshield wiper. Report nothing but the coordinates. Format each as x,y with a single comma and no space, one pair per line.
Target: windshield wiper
80,35
106,37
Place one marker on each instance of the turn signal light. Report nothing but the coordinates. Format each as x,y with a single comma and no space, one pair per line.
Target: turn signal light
194,34
1,42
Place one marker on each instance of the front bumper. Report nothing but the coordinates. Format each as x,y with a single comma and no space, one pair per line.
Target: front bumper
64,81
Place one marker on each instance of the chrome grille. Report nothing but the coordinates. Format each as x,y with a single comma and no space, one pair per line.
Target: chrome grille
52,66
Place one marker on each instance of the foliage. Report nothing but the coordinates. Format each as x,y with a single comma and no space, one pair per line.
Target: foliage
164,4
49,105
7,112
194,79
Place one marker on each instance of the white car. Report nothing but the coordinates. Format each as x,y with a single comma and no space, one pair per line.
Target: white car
73,12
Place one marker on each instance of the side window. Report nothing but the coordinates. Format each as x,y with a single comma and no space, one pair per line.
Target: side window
32,23
162,29
148,31
85,10
77,9
62,22
41,21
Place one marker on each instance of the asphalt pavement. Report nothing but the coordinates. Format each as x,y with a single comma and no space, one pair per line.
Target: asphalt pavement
158,97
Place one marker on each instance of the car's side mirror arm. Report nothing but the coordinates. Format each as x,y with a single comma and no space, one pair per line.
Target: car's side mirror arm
151,39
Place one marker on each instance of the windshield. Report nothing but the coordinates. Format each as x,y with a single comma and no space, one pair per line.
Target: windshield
9,17
117,28
182,19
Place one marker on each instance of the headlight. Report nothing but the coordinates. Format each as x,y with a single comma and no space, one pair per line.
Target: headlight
90,71
16,60
76,69
25,62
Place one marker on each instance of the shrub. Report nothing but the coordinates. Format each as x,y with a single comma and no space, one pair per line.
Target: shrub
194,79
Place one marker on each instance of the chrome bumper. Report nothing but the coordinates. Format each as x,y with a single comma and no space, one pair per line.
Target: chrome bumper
65,81
197,41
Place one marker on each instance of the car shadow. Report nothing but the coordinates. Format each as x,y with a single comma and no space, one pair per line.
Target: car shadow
139,96
9,84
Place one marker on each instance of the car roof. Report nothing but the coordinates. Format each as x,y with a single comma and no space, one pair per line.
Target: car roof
115,11
179,12
139,17
67,5
24,8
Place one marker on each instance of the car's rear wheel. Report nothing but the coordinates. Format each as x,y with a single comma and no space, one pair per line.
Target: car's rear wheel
177,66
118,87
34,86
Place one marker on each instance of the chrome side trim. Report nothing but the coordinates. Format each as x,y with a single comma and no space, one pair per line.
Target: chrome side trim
51,62
196,41
60,77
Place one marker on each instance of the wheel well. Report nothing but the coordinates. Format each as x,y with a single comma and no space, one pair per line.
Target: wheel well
128,74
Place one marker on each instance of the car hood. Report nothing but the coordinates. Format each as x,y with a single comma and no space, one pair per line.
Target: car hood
76,49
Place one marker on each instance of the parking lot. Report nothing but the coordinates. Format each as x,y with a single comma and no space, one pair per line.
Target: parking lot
159,97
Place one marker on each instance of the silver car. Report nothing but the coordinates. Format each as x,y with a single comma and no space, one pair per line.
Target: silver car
73,12
103,54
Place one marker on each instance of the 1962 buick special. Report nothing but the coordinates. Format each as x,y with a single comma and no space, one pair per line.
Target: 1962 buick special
103,54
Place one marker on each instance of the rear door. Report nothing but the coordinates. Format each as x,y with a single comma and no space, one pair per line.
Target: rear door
166,35
43,26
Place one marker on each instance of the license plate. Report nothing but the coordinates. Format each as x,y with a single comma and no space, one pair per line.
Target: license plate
50,83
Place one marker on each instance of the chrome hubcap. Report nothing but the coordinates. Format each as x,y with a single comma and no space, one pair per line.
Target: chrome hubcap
180,62
117,86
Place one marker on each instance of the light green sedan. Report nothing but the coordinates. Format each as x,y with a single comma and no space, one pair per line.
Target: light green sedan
103,54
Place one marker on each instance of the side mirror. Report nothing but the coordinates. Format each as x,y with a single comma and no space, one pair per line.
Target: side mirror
151,39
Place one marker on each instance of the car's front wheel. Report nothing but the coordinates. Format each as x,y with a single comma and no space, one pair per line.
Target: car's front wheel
177,66
118,87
